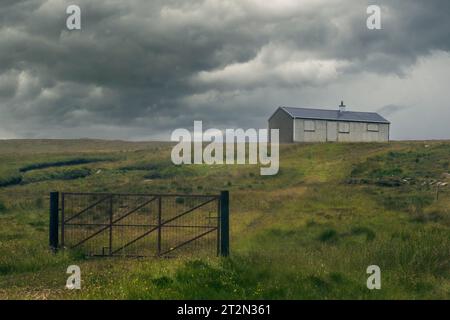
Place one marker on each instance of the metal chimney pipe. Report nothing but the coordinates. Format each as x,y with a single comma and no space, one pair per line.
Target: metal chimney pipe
342,107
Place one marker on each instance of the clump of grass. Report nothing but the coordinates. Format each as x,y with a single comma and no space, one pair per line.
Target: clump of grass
2,207
39,203
281,233
369,233
422,217
311,223
162,282
319,284
329,235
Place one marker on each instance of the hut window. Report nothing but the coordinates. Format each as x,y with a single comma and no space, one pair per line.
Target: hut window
344,127
372,127
310,125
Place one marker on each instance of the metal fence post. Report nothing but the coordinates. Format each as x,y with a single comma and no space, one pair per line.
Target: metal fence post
110,224
54,220
224,224
63,221
218,226
159,224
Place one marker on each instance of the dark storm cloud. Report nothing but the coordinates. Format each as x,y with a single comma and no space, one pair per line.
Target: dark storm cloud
139,69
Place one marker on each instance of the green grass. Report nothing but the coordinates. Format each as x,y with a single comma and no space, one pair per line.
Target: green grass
309,232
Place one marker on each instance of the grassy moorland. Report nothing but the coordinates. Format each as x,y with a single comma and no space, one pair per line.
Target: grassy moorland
309,232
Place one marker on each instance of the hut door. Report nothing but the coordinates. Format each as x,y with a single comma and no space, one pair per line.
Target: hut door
331,131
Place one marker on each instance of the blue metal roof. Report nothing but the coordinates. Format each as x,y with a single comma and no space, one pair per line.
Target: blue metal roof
334,115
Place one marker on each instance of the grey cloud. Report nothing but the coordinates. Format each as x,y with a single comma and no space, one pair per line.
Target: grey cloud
390,110
142,68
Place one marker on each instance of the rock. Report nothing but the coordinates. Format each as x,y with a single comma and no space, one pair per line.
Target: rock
446,175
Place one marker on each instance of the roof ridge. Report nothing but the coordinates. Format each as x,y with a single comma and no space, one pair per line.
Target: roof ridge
320,109
333,115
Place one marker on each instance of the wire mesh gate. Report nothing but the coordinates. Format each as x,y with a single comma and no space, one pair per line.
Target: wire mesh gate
140,225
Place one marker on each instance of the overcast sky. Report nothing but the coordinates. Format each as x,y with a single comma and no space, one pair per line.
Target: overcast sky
139,69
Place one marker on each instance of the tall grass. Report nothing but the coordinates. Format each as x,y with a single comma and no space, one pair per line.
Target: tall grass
303,234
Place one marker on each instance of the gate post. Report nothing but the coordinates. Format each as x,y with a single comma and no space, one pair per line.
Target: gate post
159,224
54,220
224,224
110,225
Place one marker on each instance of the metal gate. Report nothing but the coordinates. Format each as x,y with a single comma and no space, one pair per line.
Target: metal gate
139,225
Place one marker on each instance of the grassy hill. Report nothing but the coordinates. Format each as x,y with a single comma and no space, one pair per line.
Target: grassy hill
309,232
